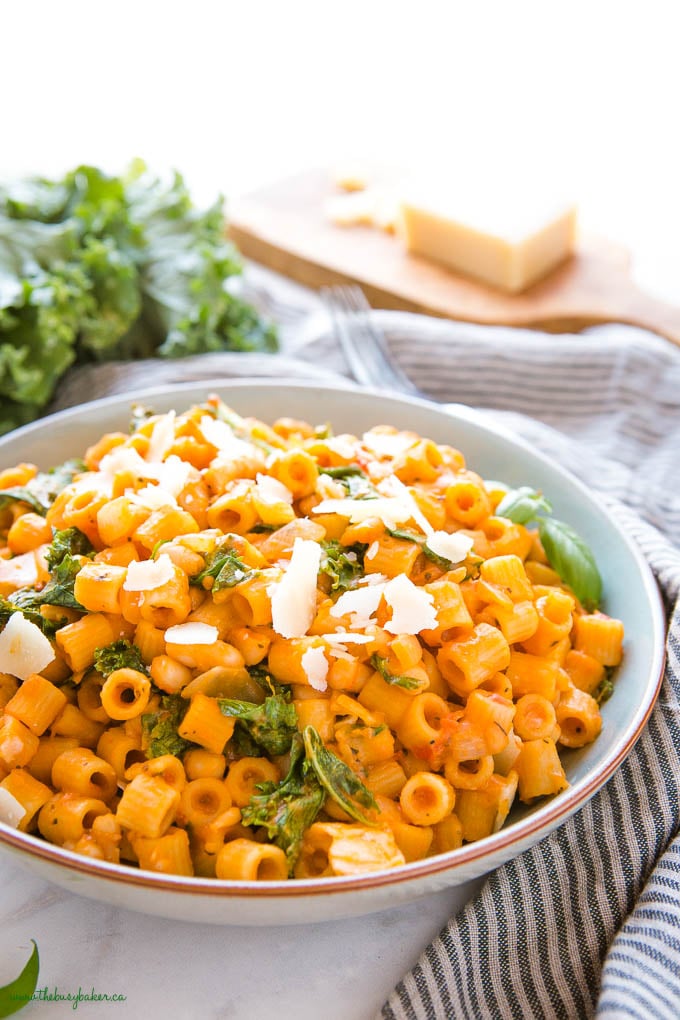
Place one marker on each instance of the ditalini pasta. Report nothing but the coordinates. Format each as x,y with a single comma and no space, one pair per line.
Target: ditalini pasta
255,652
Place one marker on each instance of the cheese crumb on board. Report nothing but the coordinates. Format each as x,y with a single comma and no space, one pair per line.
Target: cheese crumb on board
499,239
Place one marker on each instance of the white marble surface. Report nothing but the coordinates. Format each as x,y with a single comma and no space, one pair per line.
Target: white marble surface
340,970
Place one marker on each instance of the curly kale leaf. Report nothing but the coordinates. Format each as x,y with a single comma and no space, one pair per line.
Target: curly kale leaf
271,725
119,655
159,729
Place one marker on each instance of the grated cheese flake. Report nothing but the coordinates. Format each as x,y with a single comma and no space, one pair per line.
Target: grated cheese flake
271,490
152,497
394,486
223,438
147,575
315,666
360,604
454,547
294,596
388,444
162,438
191,634
392,512
412,607
24,649
11,810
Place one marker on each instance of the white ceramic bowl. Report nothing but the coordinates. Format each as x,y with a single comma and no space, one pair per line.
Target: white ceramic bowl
630,594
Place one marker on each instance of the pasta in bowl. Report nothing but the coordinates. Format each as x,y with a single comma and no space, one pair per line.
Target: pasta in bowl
248,654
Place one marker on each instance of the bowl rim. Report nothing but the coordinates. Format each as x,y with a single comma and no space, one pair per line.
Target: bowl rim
546,817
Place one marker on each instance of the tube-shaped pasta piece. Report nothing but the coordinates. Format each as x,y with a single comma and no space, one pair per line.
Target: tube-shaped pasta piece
17,743
379,696
386,778
413,841
363,746
65,817
252,643
584,671
419,463
164,525
579,719
420,724
49,748
79,510
427,798
36,704
204,657
491,715
203,800
469,774
27,533
204,724
503,538
534,717
168,674
150,640
508,573
125,693
466,500
79,641
118,519
599,636
316,712
286,658
251,601
539,770
245,860
234,511
168,854
148,806
97,587
201,764
518,622
391,556
167,766
297,470
31,794
247,773
477,655
9,685
532,674
450,608
82,772
485,809
448,834
167,605
89,698
120,750
347,674
554,622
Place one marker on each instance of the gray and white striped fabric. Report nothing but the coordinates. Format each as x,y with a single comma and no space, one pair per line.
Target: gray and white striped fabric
546,937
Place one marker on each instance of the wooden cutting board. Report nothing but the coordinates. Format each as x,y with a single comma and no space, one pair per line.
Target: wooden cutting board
284,226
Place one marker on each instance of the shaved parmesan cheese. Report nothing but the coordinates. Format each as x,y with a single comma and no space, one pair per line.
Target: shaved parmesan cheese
174,473
152,497
125,459
149,574
361,603
11,810
372,549
294,597
219,435
393,486
24,649
412,607
344,446
372,579
388,444
19,571
452,547
329,488
191,634
342,636
271,490
315,665
392,512
162,437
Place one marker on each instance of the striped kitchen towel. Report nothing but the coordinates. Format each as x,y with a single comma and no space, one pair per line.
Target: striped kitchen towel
587,922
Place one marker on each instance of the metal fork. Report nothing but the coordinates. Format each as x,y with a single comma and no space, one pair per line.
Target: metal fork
363,344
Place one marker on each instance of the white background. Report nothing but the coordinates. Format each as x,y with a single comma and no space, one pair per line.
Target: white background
237,94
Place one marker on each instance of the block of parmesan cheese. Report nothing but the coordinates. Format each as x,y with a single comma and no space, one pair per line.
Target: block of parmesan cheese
500,240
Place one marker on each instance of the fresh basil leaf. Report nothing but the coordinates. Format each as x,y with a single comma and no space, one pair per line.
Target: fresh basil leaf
523,505
572,559
337,778
17,994
288,808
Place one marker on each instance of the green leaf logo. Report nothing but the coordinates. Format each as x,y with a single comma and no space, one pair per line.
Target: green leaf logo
17,993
